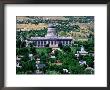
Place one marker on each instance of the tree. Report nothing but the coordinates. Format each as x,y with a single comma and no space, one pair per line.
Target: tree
17,51
77,69
18,70
31,45
18,43
89,59
56,53
23,44
49,50
43,57
89,71
28,67
24,66
22,51
33,50
66,49
32,65
25,58
62,33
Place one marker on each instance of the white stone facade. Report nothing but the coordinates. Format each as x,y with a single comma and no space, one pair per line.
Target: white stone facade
51,39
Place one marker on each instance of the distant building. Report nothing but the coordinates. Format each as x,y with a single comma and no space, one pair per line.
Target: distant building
65,71
81,62
40,66
18,62
51,39
38,61
81,52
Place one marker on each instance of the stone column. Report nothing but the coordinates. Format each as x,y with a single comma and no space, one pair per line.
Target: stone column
71,43
50,42
40,43
68,42
65,42
37,43
62,42
43,43
53,43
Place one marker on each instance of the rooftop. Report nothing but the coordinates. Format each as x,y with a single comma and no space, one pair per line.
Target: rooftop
34,38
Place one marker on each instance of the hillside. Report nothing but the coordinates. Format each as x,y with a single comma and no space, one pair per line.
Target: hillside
79,27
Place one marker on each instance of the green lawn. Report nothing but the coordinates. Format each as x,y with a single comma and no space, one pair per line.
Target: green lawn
73,49
40,50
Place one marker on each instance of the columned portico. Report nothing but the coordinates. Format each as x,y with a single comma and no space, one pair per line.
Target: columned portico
51,38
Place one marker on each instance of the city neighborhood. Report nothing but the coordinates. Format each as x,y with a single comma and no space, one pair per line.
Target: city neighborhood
55,45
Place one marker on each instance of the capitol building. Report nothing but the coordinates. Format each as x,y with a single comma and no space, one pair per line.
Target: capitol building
51,39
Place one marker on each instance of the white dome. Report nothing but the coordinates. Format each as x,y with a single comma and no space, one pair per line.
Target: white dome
51,26
51,32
